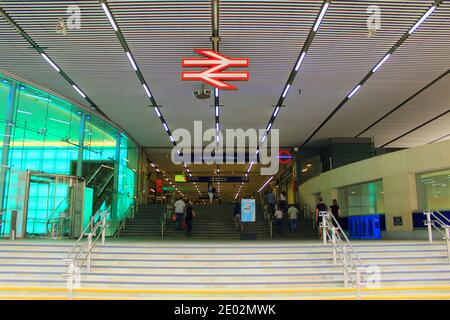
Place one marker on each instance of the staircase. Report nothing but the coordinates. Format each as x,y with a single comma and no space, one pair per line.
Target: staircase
146,222
221,270
210,222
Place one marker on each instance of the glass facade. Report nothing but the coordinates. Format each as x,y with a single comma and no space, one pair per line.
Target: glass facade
43,133
433,190
362,199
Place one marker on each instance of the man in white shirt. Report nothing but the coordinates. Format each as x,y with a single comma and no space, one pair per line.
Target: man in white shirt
293,215
180,210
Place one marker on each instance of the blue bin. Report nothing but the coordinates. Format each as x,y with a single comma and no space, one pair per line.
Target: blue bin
364,227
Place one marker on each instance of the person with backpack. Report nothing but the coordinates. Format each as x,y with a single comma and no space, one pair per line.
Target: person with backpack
189,218
321,207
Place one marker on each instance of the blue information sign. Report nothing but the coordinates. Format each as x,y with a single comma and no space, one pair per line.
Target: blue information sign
248,210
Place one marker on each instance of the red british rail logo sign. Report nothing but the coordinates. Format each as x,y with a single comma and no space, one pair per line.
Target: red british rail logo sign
215,75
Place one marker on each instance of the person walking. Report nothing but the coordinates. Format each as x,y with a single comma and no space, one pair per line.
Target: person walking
210,192
293,216
270,200
283,202
189,218
335,211
237,215
279,219
180,210
321,207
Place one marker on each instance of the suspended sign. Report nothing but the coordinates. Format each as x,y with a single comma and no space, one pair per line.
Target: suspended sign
180,178
218,179
214,75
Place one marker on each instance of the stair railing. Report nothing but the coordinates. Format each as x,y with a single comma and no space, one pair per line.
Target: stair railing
81,252
165,214
129,215
343,252
436,220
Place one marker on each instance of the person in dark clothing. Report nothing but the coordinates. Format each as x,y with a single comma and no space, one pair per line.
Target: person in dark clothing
335,211
321,207
189,218
237,215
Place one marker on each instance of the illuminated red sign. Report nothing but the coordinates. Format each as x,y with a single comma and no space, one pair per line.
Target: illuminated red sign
215,75
285,156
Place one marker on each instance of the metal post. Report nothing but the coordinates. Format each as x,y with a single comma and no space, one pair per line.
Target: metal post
9,124
12,233
324,227
447,240
88,263
344,258
103,229
81,144
70,280
429,225
358,283
333,240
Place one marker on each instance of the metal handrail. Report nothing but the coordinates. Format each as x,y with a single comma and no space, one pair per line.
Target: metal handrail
129,215
97,172
163,219
343,251
81,253
440,223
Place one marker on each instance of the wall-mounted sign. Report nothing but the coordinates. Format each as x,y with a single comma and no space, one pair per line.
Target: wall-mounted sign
398,221
285,156
248,210
218,179
215,75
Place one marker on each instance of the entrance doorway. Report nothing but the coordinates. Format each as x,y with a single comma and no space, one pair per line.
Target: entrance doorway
53,206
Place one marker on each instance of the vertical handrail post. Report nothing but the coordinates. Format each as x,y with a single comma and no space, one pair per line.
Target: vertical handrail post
89,252
358,284
333,240
103,229
447,240
430,226
344,256
324,226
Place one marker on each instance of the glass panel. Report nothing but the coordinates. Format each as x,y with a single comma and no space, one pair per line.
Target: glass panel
433,190
362,199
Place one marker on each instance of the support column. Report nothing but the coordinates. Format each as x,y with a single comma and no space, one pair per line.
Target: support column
115,196
81,144
6,143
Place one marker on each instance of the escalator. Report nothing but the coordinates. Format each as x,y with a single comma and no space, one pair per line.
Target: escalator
102,184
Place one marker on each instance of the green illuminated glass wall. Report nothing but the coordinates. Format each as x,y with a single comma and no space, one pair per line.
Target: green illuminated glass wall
44,135
362,199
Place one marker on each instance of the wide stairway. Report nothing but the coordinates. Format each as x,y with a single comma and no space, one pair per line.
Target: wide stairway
221,270
211,222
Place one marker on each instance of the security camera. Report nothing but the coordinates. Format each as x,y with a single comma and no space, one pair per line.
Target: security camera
202,93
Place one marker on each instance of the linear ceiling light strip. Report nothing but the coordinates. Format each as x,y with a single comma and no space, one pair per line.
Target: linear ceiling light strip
50,61
265,184
446,73
295,71
416,128
138,72
376,68
170,182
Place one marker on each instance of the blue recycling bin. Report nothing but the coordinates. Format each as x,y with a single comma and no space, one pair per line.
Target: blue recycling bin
364,227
